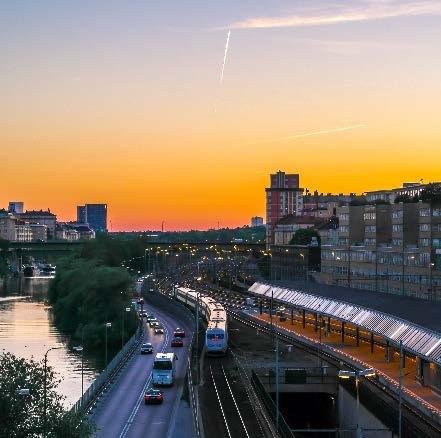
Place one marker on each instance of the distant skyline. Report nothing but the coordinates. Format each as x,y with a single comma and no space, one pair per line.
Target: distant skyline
121,103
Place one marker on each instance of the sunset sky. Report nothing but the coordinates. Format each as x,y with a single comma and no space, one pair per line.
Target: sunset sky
121,102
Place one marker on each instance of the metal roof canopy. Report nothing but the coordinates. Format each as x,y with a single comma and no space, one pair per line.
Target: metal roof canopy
417,340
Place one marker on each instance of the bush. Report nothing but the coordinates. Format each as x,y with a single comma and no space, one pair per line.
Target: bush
23,415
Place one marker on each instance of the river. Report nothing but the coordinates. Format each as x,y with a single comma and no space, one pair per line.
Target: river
27,330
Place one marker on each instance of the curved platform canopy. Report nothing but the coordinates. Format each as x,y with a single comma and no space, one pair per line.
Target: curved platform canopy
417,340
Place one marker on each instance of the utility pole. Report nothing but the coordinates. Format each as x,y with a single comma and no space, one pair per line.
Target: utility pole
197,337
400,377
45,390
277,383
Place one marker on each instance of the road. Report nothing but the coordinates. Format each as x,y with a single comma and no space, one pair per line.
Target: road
121,411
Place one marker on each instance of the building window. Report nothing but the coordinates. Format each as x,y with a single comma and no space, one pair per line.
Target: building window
424,227
397,228
370,229
370,241
436,243
344,229
397,242
424,242
424,212
398,214
370,216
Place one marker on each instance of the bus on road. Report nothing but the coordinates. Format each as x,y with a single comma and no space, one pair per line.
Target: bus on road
164,369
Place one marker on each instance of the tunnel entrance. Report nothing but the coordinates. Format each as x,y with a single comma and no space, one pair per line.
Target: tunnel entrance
308,411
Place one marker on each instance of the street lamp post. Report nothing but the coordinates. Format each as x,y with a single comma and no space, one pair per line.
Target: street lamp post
80,349
45,388
345,374
277,383
400,383
127,309
431,266
145,260
107,325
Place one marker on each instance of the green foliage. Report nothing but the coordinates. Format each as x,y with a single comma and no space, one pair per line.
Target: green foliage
304,236
4,265
432,193
111,251
23,415
86,293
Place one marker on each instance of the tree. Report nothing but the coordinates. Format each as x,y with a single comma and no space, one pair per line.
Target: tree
23,415
304,236
4,266
86,294
431,193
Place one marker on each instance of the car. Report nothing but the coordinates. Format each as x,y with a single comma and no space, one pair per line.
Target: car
177,342
153,322
153,396
150,316
179,333
159,330
147,348
143,314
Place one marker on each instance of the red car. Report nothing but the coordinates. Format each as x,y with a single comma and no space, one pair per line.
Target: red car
153,396
179,333
177,342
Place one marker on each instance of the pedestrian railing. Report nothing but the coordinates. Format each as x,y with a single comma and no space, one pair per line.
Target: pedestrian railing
283,428
193,396
105,377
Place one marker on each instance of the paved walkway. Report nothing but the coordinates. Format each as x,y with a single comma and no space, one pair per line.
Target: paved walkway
363,353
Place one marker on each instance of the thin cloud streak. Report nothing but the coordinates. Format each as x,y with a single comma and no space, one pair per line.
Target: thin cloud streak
309,134
225,57
367,10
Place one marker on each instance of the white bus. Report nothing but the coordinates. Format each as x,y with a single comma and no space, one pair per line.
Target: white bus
164,369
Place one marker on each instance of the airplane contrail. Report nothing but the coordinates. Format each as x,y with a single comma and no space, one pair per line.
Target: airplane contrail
225,57
308,134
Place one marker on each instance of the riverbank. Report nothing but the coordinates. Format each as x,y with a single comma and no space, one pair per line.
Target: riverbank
27,330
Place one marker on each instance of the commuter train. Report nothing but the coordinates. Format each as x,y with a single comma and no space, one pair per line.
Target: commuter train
216,335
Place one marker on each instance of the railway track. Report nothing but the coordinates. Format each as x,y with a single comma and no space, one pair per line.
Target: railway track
231,413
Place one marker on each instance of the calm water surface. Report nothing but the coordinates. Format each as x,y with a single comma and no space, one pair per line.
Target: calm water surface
27,330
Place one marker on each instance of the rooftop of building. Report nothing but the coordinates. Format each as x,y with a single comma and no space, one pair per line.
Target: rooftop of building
291,219
36,213
406,185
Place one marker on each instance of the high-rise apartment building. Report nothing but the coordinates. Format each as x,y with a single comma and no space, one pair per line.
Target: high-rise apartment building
95,215
283,197
81,214
387,248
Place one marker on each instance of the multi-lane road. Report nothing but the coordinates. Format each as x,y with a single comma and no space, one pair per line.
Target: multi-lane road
121,411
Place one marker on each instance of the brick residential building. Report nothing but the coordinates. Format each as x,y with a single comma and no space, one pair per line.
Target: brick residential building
283,197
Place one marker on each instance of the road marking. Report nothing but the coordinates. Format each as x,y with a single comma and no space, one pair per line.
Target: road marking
141,395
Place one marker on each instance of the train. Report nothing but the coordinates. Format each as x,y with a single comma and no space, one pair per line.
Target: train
215,315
